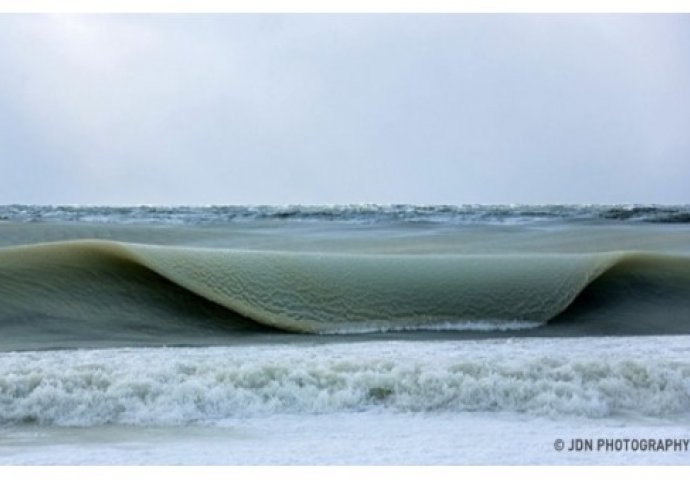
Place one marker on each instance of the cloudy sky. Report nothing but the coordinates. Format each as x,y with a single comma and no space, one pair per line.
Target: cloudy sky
321,109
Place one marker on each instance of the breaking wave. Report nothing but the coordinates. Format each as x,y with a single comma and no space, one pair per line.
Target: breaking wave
102,289
182,386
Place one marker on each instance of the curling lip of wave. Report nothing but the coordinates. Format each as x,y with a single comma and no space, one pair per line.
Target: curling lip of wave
341,293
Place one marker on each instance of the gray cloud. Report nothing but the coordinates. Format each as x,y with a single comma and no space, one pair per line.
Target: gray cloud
344,108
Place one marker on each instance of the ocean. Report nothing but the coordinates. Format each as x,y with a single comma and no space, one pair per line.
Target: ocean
340,335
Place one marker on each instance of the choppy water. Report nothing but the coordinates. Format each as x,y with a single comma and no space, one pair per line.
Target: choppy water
365,213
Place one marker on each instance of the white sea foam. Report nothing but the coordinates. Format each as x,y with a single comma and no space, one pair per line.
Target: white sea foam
593,378
485,325
356,438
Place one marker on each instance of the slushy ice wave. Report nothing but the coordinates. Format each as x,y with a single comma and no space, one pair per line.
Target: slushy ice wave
591,378
75,286
571,318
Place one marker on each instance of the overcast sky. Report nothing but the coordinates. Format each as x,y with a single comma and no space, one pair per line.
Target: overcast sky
321,109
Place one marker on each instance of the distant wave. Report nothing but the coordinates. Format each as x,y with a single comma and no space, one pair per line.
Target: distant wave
104,289
366,213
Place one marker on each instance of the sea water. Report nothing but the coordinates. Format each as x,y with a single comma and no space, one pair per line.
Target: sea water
344,335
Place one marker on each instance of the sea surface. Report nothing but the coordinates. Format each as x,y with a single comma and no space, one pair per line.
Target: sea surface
336,335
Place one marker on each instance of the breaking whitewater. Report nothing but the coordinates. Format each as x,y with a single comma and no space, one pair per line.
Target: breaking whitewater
345,335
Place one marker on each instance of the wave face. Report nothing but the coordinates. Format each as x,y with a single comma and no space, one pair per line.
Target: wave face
131,292
366,213
556,378
72,284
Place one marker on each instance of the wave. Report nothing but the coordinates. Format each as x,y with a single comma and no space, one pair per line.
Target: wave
182,386
129,292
